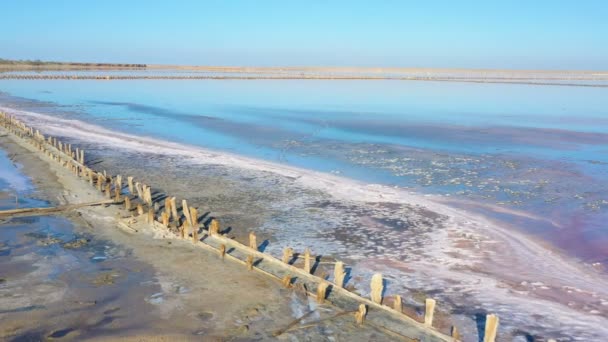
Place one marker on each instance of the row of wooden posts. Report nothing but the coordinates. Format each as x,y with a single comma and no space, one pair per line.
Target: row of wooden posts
112,187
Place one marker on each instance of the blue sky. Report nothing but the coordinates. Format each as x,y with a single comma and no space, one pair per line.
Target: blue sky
474,34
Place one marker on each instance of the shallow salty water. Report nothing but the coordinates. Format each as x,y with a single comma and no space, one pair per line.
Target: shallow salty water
532,158
540,150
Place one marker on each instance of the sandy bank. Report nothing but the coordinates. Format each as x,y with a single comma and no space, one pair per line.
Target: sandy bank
221,285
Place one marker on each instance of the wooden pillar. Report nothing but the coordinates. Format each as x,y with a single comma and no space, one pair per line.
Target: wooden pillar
339,274
321,292
186,211
253,243
287,254
214,227
194,215
491,328
250,262
377,287
130,183
151,216
174,210
360,314
307,260
456,334
397,305
429,312
127,203
165,219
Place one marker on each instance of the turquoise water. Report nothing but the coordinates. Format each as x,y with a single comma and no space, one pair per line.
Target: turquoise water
540,149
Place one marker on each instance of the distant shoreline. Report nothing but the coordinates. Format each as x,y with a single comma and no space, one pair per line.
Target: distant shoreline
37,65
554,81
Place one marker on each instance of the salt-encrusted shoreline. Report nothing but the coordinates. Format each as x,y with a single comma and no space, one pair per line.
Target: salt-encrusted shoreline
499,259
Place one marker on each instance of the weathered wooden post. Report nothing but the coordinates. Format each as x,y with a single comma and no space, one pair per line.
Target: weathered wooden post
147,194
108,191
253,243
119,182
214,227
127,203
130,184
186,211
174,210
140,191
250,262
222,250
491,328
377,288
140,209
117,195
360,314
339,274
194,215
321,292
151,216
165,219
286,281
287,254
397,306
429,312
168,207
307,260
456,334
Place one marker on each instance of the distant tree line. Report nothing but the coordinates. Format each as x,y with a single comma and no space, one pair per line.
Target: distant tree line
39,62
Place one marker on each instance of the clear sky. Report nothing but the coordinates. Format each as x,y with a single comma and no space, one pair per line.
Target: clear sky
532,34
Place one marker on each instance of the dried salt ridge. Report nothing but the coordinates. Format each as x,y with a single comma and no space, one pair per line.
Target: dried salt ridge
171,223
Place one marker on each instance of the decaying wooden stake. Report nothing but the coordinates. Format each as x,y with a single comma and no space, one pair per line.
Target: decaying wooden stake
119,182
222,250
168,207
174,210
117,194
377,288
253,243
287,254
147,194
429,312
127,203
194,214
151,216
130,184
140,209
397,306
183,231
491,328
140,191
286,281
339,274
108,191
214,227
307,260
81,156
321,292
186,211
360,314
456,334
250,262
165,219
